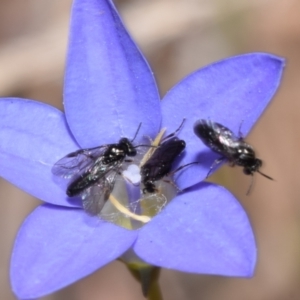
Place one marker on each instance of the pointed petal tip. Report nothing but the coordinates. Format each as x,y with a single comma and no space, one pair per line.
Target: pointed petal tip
266,54
107,74
279,61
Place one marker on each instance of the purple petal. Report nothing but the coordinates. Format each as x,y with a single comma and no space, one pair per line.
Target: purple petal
57,246
233,92
109,87
204,230
33,137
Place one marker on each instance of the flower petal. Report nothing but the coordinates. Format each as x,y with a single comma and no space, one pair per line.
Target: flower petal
57,246
109,87
33,137
204,230
233,92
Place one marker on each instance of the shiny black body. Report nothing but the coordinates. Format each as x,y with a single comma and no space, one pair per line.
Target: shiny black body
223,141
160,163
93,172
111,158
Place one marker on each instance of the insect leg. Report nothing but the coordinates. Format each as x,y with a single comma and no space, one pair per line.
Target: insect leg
215,163
173,184
173,172
181,167
250,186
241,137
128,160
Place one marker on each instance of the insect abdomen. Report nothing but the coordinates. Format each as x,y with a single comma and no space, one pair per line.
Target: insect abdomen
80,184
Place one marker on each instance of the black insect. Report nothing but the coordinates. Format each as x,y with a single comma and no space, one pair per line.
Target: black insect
93,172
231,148
160,163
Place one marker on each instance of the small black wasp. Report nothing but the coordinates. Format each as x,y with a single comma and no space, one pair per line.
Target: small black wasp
93,172
160,163
223,141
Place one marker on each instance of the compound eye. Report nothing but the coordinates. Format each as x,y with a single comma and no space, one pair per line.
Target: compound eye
131,152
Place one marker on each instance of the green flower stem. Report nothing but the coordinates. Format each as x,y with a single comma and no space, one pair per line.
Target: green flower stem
148,276
155,292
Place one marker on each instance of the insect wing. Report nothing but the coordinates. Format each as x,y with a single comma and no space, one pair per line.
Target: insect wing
217,137
170,149
151,204
162,159
225,142
94,197
77,162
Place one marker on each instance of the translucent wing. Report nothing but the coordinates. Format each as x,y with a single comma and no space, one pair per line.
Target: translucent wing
77,162
94,197
149,205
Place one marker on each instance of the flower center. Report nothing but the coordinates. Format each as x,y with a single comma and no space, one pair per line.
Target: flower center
128,205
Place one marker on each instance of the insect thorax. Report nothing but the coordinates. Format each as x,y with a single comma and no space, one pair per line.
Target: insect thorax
244,153
127,147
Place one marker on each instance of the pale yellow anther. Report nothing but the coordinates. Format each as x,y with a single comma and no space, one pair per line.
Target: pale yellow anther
124,210
155,143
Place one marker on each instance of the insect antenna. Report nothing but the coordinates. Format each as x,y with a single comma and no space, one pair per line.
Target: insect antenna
175,132
149,146
265,175
137,131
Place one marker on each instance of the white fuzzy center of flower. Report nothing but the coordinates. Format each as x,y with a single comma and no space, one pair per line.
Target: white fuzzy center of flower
132,174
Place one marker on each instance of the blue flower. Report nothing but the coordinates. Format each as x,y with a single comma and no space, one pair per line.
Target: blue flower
109,89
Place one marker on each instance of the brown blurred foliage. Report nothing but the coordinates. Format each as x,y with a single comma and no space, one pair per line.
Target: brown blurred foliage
177,37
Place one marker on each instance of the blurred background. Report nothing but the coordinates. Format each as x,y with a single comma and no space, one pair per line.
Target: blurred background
177,37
